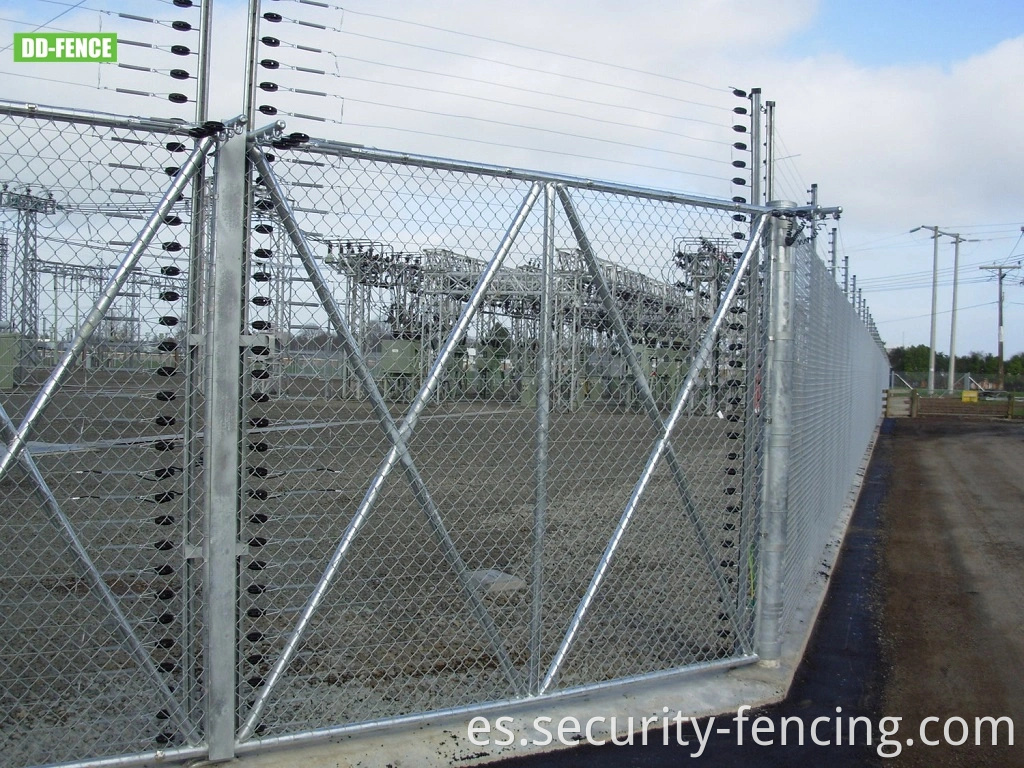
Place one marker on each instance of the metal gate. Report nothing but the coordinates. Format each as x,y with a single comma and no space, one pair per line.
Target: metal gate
308,436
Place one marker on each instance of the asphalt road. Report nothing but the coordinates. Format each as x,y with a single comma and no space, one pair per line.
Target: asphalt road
924,617
953,581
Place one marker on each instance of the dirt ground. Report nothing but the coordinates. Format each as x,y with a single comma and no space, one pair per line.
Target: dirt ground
953,583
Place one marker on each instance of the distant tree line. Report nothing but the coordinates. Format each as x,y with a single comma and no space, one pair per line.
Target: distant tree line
915,359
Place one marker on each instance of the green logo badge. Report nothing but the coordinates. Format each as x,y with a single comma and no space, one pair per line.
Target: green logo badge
65,46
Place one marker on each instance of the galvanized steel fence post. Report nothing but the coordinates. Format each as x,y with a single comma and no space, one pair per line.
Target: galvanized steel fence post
222,449
778,436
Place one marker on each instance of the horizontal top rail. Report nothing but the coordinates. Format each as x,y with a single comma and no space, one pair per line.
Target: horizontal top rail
372,154
103,119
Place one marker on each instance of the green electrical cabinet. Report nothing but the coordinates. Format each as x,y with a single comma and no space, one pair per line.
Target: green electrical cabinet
10,345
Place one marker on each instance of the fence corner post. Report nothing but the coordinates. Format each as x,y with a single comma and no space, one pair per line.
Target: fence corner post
778,436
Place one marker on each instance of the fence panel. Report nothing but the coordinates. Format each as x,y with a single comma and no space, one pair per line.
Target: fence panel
498,434
839,374
100,622
447,571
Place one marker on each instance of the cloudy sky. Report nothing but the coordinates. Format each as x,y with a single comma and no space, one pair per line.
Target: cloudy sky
904,113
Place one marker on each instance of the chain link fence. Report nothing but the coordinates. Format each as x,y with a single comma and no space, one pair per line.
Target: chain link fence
446,435
839,374
100,622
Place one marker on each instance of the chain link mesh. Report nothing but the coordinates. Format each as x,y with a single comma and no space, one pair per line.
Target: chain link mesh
500,435
839,374
100,619
403,626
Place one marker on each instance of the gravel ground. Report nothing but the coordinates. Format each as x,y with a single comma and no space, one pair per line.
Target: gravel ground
394,634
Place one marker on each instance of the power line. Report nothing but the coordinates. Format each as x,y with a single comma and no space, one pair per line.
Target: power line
535,70
531,149
551,53
530,107
533,128
47,23
929,314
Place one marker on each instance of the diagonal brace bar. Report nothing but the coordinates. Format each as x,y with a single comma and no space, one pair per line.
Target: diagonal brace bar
399,452
661,449
100,589
647,397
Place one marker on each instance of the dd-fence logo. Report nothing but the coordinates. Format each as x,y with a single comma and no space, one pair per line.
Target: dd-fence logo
65,46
